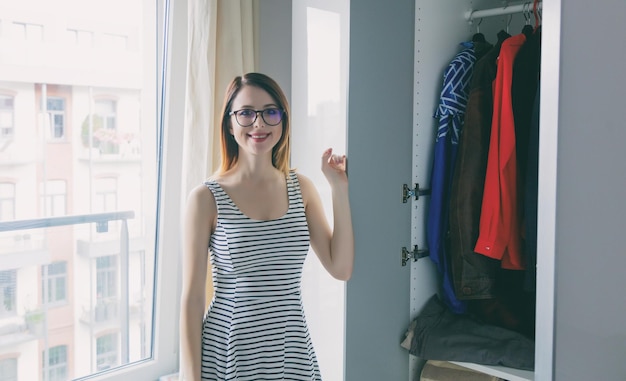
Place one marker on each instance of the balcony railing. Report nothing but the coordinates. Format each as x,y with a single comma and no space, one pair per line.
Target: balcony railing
119,309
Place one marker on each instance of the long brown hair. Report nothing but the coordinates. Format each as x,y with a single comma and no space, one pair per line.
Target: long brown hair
230,149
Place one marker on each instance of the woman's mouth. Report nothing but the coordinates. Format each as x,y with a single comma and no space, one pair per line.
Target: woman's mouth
258,137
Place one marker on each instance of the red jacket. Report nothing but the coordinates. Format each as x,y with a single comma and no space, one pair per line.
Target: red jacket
499,233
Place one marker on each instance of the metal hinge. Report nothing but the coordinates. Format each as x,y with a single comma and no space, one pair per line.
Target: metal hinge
414,255
415,192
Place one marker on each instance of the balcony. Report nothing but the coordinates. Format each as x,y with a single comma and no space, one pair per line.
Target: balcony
19,329
21,249
105,312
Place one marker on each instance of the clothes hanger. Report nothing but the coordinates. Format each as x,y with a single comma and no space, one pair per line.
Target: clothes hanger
527,29
509,23
478,37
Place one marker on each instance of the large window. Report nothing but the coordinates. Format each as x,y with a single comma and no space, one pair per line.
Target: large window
86,269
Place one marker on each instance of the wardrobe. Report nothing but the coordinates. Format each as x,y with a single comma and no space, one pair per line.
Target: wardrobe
398,52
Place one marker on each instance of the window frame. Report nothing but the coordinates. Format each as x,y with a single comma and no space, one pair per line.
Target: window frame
49,285
171,75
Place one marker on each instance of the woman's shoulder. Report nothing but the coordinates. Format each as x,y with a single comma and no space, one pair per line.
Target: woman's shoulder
306,184
201,197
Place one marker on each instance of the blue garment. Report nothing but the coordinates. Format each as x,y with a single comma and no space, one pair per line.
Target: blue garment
450,114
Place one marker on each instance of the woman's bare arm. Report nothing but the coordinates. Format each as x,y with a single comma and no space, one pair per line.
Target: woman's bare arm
199,220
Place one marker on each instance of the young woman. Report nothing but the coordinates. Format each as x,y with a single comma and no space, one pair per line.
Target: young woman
255,219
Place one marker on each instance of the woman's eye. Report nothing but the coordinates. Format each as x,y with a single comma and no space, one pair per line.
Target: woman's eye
246,113
271,111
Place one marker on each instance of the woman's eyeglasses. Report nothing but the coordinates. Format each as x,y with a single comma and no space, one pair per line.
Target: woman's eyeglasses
246,116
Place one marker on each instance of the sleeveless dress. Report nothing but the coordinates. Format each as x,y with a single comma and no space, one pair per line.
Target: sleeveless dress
254,328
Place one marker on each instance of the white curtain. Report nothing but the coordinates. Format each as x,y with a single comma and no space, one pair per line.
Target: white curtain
222,45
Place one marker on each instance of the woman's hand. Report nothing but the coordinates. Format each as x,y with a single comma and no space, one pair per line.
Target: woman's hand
334,168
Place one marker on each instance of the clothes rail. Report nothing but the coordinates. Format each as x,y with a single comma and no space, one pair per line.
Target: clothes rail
481,13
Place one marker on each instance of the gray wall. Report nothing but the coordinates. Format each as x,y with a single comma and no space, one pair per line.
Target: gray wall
590,298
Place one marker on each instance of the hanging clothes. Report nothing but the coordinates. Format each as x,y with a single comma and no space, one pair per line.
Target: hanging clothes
524,96
450,114
499,234
473,274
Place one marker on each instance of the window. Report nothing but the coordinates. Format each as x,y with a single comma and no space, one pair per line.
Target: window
42,181
114,41
82,38
106,275
28,32
7,201
57,364
105,109
106,351
6,116
53,198
56,111
8,369
105,199
106,289
54,287
8,285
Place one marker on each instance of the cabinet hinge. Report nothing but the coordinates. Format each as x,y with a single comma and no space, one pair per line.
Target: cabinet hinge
414,255
415,192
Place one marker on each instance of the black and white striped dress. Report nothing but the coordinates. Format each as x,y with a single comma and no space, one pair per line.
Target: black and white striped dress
255,327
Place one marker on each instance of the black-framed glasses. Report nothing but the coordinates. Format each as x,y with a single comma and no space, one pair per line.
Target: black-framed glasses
247,116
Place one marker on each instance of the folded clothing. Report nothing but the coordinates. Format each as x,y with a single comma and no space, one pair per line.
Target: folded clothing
439,334
445,371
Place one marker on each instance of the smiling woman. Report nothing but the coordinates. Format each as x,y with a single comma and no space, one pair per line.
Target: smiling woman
256,217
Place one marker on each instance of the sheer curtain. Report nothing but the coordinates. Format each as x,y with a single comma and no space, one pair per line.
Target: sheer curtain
222,45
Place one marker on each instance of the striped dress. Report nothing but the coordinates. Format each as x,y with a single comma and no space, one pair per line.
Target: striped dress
255,327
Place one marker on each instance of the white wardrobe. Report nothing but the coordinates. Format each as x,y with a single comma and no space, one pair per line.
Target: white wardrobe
398,51
581,303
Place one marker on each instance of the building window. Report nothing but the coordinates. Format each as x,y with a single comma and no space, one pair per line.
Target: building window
54,282
28,32
8,285
56,110
114,41
8,369
105,199
82,38
7,201
107,110
53,198
106,277
57,364
106,351
6,116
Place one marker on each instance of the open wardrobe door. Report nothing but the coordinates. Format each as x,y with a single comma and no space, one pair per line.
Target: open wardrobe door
379,151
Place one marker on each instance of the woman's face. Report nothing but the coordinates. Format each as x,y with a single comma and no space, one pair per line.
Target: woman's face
260,137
